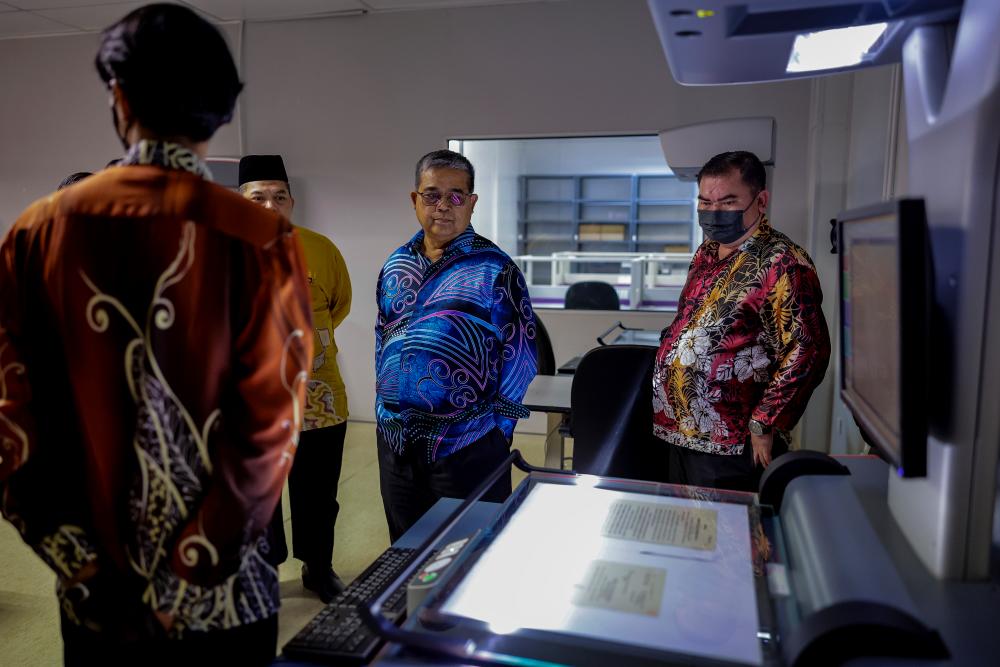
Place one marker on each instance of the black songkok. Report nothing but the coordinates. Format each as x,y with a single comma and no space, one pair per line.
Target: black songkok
262,168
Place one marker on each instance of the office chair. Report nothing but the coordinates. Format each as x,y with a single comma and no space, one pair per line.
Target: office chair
592,295
544,356
612,415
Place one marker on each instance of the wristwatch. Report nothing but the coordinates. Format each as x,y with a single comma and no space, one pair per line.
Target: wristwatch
758,428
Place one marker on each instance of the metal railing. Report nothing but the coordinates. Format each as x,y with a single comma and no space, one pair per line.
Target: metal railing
643,280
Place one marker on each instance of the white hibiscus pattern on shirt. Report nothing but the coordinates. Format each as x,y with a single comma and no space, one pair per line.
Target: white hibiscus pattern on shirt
661,403
702,417
693,345
750,362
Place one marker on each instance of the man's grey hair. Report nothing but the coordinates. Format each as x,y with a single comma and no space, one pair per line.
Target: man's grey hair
445,159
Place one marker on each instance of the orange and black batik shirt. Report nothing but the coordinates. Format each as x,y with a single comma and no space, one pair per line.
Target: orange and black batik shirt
154,352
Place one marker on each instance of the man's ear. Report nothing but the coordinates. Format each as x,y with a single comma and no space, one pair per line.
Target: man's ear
472,202
764,198
413,198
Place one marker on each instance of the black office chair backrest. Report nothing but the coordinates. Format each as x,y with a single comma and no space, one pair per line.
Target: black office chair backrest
592,295
544,355
612,415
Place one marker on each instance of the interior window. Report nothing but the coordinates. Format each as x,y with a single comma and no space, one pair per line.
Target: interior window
587,209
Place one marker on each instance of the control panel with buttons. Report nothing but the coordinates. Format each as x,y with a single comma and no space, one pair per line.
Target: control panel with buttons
432,571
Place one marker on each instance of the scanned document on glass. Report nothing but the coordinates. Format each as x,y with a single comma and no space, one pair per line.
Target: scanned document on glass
622,587
672,525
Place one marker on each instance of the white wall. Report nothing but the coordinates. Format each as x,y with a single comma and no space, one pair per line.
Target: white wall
496,164
506,199
857,155
574,332
352,103
55,118
618,155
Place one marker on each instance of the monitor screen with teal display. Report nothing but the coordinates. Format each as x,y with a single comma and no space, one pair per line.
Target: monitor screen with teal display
884,321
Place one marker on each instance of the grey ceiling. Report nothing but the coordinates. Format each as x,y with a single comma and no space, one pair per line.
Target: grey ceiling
27,18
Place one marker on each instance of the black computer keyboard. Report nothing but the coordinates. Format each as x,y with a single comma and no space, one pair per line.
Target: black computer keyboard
338,635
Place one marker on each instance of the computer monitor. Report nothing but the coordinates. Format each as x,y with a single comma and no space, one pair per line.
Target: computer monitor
885,287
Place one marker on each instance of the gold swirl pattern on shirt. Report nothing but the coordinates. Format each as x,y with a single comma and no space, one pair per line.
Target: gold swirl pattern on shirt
172,450
301,378
174,467
13,438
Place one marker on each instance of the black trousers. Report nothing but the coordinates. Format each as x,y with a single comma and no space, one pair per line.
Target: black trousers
410,485
719,471
252,644
312,496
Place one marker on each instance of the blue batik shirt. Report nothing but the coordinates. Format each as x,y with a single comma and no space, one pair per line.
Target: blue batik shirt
454,346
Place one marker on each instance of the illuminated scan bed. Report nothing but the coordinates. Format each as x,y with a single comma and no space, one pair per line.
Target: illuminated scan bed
590,571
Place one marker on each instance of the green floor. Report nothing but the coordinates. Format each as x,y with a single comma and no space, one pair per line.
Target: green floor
29,622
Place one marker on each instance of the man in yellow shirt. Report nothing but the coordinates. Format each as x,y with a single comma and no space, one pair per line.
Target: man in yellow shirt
312,484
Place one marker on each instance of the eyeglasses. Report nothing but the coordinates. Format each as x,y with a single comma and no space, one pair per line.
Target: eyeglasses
453,198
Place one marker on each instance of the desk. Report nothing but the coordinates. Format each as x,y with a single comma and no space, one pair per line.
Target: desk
649,337
551,394
569,368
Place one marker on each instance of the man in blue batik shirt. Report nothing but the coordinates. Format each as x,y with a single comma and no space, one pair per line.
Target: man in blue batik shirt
454,351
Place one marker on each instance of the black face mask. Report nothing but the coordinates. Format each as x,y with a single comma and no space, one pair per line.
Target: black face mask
723,226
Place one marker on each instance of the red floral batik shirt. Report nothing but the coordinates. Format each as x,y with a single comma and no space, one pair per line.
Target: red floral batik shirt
749,342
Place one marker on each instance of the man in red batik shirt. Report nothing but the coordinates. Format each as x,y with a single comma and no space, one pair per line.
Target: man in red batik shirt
736,367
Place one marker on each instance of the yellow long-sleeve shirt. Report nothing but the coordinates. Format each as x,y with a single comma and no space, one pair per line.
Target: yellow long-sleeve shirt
330,290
